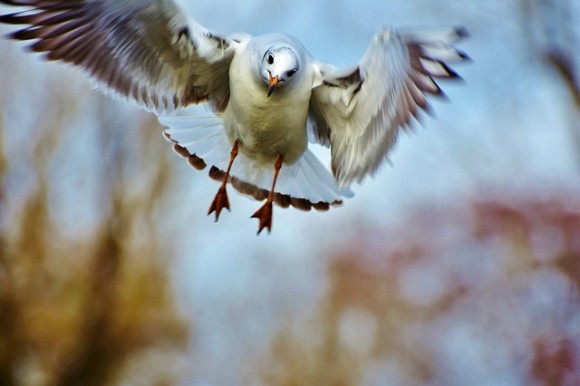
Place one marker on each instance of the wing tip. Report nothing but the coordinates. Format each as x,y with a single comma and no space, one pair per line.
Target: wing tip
451,73
464,56
461,32
8,18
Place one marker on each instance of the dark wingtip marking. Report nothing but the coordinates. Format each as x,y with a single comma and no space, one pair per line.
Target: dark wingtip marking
196,162
216,174
192,159
184,33
438,92
451,73
24,34
322,206
464,56
461,32
282,200
181,151
301,203
168,137
12,18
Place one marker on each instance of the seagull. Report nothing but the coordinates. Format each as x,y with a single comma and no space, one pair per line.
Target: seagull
269,99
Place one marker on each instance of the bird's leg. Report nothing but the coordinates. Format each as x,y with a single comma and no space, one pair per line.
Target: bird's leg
264,214
221,198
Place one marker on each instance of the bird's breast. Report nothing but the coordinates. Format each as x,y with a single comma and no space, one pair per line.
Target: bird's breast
267,126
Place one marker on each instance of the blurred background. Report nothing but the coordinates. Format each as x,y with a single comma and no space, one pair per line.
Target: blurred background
458,264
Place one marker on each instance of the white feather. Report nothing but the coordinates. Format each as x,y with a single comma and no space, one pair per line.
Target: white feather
205,137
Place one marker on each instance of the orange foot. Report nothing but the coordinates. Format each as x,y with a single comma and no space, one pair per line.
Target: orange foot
264,215
219,202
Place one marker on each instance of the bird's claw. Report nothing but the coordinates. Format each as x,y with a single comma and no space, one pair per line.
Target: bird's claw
219,202
264,215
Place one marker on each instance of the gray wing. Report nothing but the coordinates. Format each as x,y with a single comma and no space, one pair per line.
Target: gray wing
145,50
359,111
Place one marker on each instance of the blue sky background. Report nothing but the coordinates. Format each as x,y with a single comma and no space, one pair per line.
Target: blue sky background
511,129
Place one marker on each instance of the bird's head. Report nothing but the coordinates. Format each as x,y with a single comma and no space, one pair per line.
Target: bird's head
279,66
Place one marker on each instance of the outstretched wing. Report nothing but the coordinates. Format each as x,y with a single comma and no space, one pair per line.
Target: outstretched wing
145,50
359,111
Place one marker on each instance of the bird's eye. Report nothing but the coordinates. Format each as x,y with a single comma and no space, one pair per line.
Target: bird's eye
291,73
270,59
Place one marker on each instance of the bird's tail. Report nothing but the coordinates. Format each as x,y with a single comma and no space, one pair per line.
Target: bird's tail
202,140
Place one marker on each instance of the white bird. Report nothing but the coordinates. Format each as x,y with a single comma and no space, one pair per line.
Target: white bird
268,94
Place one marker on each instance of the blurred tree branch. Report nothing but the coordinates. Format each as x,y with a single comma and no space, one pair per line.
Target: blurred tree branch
564,64
549,25
550,32
80,309
443,290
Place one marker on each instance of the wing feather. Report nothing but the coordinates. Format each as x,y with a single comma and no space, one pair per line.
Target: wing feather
147,51
360,111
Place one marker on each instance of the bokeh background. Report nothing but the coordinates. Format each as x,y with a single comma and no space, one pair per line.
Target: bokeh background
458,264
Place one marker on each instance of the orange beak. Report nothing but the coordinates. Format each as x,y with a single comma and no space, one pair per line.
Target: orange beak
273,82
